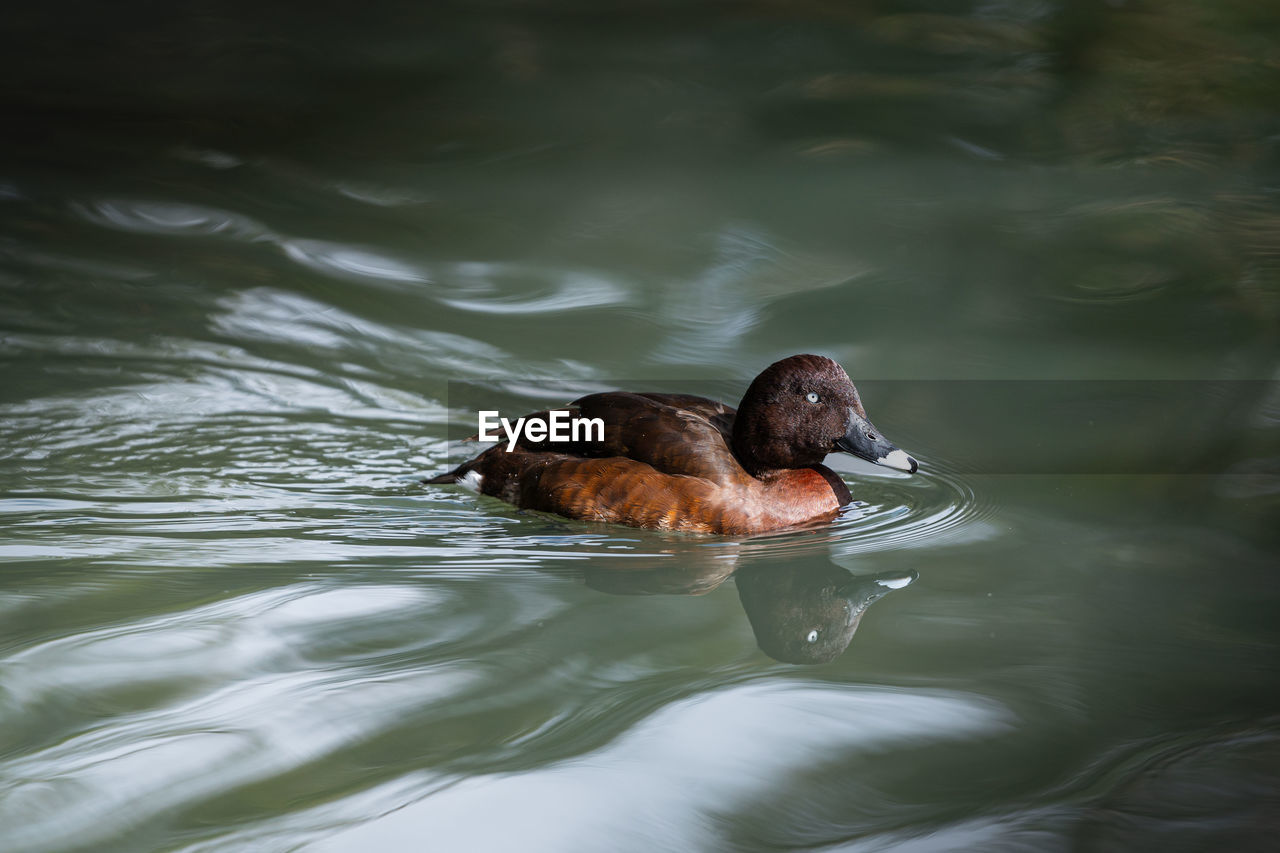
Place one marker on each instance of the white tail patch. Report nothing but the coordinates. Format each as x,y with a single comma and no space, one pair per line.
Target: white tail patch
471,480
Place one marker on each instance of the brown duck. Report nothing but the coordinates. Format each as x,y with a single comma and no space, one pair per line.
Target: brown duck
680,462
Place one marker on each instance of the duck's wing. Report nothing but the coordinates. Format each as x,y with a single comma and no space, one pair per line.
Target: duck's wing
714,412
673,433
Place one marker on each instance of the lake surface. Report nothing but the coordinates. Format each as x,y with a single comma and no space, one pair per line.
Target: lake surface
258,271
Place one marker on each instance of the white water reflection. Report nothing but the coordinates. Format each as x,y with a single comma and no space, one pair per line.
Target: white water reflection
175,709
572,291
191,751
169,218
351,263
688,762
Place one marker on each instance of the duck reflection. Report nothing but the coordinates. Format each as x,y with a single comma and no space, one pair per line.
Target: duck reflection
803,613
809,613
696,576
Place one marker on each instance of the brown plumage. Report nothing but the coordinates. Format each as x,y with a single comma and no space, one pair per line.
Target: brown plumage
680,462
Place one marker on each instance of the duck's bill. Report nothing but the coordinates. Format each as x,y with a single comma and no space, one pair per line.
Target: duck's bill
865,442
864,590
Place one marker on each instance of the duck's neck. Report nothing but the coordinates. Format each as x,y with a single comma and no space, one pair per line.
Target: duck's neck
750,441
759,450
750,464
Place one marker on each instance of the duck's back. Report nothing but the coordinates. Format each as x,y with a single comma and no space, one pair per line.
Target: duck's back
673,433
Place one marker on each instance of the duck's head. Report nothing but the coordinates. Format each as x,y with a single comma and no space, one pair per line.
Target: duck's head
802,408
809,613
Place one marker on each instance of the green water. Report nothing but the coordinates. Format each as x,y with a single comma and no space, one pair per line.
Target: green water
248,258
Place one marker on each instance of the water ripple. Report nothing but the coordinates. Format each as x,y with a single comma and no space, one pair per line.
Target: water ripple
350,262
573,291
169,218
705,755
922,511
891,512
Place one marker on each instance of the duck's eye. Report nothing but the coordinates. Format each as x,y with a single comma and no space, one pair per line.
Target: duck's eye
813,637
812,397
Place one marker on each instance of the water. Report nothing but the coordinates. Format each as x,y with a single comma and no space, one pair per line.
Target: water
244,258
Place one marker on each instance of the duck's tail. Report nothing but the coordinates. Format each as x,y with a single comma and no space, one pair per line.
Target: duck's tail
446,477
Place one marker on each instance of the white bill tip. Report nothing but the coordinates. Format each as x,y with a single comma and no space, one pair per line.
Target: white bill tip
895,583
897,459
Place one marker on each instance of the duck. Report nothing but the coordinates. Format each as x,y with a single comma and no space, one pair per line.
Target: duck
679,462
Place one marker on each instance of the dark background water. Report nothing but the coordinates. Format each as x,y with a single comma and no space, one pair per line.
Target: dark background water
246,252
